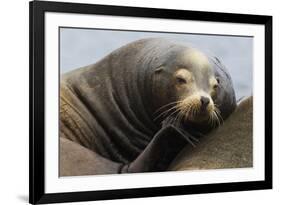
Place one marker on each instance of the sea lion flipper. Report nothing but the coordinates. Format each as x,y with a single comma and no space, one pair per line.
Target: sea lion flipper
188,137
163,148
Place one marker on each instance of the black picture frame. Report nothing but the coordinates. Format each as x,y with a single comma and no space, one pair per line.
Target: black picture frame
37,10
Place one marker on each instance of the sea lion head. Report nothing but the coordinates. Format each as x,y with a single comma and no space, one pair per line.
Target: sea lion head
187,88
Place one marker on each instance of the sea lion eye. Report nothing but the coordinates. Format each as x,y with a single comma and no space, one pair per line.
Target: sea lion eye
216,85
181,80
218,80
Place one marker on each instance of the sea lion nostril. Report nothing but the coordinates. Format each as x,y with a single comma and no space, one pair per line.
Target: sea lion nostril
204,101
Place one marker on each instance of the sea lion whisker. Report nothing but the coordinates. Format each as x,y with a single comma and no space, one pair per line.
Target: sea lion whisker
165,112
217,118
188,137
212,120
171,119
209,119
179,117
187,111
216,113
190,113
217,110
197,108
167,121
164,106
175,119
175,108
184,115
219,115
194,111
194,134
176,123
216,121
176,111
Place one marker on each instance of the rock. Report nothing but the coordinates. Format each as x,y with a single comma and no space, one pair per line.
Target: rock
229,146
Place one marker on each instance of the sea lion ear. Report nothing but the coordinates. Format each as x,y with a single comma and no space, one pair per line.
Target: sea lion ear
158,70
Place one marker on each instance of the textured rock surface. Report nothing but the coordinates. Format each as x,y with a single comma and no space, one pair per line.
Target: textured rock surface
229,146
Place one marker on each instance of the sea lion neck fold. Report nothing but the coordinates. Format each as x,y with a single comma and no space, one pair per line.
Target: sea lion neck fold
116,92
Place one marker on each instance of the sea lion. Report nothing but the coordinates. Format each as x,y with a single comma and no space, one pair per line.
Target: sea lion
136,108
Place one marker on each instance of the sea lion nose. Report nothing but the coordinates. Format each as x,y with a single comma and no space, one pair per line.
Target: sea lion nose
204,101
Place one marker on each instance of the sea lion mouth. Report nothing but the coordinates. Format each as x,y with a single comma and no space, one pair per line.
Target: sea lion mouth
202,113
191,110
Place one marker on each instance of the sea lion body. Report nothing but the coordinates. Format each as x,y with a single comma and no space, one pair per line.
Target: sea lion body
109,107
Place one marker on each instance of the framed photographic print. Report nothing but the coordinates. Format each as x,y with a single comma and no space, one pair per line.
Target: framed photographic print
140,102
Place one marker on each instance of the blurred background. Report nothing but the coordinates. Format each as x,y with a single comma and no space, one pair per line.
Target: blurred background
81,47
